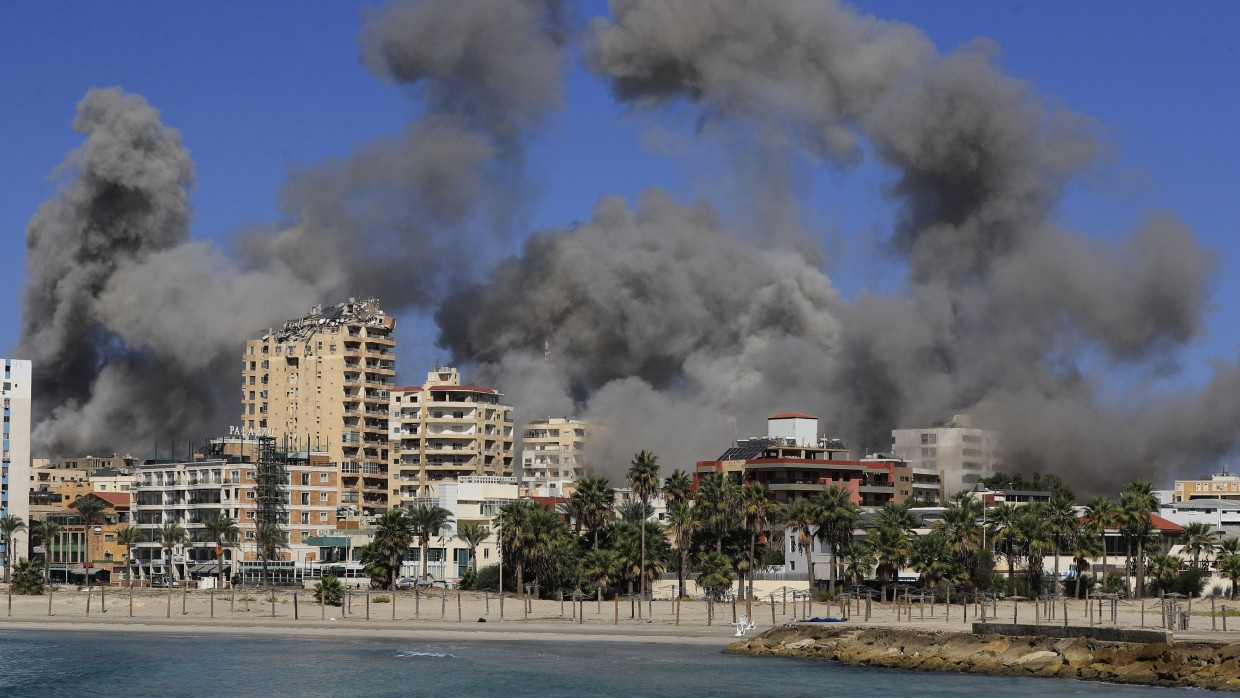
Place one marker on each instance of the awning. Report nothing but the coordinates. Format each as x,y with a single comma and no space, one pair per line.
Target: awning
205,568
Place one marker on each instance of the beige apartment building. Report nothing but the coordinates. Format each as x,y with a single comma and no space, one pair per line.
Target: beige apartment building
443,430
322,382
959,452
553,456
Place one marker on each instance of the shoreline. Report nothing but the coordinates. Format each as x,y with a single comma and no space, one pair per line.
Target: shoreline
1178,664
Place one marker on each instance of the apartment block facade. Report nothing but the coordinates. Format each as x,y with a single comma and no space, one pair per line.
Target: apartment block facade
192,493
553,456
442,431
960,453
322,383
15,455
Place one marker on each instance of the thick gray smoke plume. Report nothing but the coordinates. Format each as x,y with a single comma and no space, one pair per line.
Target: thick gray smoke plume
135,330
664,313
675,325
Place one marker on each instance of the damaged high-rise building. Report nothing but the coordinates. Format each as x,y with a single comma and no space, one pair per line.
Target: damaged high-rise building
322,382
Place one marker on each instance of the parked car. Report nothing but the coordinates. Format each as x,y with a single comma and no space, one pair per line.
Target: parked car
161,581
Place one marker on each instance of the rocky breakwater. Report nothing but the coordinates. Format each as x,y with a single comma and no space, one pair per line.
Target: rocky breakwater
1196,664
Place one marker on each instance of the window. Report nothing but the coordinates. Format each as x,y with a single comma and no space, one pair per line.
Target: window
249,515
305,478
322,477
322,516
249,494
322,496
305,517
305,498
331,347
929,438
249,535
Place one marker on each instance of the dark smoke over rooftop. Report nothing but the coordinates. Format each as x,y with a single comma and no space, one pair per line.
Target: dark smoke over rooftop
672,323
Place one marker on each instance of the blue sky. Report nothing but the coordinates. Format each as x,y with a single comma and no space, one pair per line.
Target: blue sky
258,87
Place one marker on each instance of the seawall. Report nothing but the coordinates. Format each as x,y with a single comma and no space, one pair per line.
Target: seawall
1187,664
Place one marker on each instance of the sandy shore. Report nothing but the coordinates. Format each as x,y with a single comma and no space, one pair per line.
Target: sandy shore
435,615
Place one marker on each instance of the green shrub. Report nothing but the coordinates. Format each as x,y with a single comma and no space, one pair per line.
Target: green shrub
329,591
27,578
382,599
469,580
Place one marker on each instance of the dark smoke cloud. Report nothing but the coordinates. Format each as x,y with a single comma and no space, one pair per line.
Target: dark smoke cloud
135,330
1000,304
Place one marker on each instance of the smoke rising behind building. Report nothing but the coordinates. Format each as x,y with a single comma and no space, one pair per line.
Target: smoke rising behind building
675,325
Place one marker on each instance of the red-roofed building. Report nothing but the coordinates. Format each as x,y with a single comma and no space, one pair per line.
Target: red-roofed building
442,430
108,559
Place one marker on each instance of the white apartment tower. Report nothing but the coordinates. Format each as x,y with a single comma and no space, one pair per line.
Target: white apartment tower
552,455
443,430
321,382
15,458
961,453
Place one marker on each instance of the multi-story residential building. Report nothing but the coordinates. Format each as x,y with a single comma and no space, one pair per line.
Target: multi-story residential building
15,455
442,431
960,453
553,456
795,463
68,562
300,491
322,382
1224,485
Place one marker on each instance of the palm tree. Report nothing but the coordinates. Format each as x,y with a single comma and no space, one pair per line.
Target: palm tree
597,501
837,517
1165,568
515,517
681,518
931,558
643,478
224,531
394,533
128,536
47,531
677,487
1138,501
858,560
600,568
271,539
1229,567
891,548
473,535
717,498
427,520
758,508
1101,514
171,535
1034,534
1002,523
89,508
1199,538
1083,549
960,526
10,526
802,517
715,570
896,515
1065,528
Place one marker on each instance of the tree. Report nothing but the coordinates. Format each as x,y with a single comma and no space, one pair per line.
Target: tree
1229,567
1164,568
596,500
224,531
715,572
514,518
329,591
758,509
27,578
473,535
891,548
375,561
1064,526
1002,522
171,535
1083,549
683,522
803,518
1138,501
90,509
427,521
635,512
1034,533
717,498
837,517
931,558
858,560
1199,539
961,527
1100,514
10,526
270,539
643,478
896,515
677,487
394,533
128,536
47,531
600,568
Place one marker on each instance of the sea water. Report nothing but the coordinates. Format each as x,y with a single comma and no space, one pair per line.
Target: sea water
37,663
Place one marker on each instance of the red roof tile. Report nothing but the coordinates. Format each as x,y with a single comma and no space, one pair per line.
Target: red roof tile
1164,525
407,389
115,499
793,415
462,388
